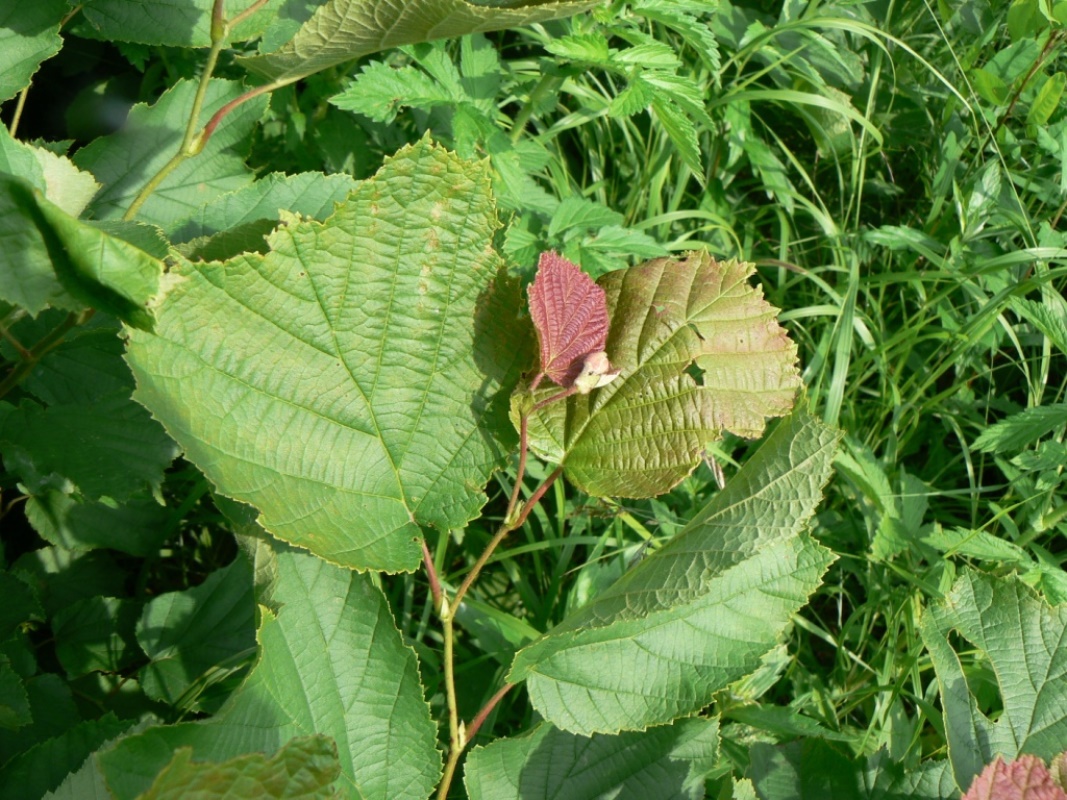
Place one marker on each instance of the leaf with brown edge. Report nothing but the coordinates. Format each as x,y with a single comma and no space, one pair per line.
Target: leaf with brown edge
571,317
700,353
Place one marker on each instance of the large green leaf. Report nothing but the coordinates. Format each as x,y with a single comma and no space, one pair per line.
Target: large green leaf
1023,639
180,23
641,434
124,161
343,384
548,762
49,258
343,30
699,613
332,662
29,34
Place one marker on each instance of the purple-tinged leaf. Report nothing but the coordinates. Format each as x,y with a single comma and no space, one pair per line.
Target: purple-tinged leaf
570,314
1026,778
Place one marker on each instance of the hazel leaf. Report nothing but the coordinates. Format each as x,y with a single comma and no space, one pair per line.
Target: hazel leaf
699,352
570,315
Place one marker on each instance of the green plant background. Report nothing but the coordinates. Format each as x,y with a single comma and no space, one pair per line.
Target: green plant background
872,607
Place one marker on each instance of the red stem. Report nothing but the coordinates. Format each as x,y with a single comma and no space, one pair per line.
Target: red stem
487,709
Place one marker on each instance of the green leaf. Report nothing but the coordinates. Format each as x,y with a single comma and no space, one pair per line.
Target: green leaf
989,86
14,702
29,35
587,48
641,434
42,768
1023,639
96,635
698,613
1022,429
63,577
578,212
343,30
124,161
56,176
814,769
305,768
1048,316
637,96
138,527
50,258
180,23
109,448
1023,19
310,194
51,707
548,762
344,384
1047,100
332,662
187,633
379,91
21,604
682,134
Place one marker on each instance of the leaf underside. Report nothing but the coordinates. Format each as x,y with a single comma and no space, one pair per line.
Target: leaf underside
700,352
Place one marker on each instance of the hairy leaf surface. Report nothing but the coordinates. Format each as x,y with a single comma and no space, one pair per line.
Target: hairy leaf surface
643,433
548,762
331,662
343,384
343,30
699,613
179,23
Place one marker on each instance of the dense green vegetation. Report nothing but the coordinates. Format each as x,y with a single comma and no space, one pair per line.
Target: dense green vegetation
896,173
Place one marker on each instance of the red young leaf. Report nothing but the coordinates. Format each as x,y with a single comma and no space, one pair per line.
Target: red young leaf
571,316
1026,778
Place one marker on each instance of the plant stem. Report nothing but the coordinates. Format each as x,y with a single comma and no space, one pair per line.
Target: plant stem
487,709
546,84
39,350
21,104
192,142
431,573
455,740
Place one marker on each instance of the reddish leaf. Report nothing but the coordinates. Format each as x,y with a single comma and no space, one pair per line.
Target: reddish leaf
1026,778
571,316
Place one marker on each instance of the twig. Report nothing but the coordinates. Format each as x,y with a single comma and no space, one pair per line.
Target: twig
487,709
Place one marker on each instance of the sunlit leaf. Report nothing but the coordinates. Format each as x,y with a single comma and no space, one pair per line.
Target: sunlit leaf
345,384
29,34
700,612
700,352
343,30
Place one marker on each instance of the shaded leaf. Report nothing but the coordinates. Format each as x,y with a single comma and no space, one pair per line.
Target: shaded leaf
187,633
305,768
814,769
138,527
310,194
548,762
180,23
49,258
1022,429
124,161
698,613
96,635
639,436
570,316
343,30
332,662
14,702
340,383
42,768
